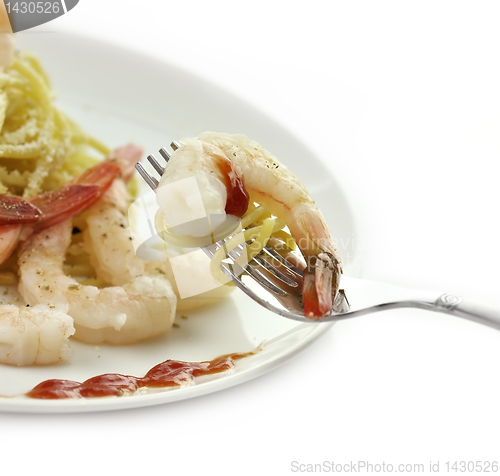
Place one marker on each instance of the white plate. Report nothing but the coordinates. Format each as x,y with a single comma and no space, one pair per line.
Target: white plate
121,97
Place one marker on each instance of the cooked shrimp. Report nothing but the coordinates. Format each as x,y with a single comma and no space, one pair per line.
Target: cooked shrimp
141,308
34,335
39,334
232,171
19,218
108,240
9,237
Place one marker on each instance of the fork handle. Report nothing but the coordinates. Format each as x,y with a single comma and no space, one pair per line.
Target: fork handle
455,305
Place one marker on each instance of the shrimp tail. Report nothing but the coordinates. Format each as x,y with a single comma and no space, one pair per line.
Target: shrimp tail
72,199
120,163
20,219
65,202
323,270
9,237
321,284
102,174
126,157
14,210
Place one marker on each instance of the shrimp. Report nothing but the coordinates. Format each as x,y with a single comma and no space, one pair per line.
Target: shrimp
232,171
39,333
139,307
19,218
107,238
142,308
34,335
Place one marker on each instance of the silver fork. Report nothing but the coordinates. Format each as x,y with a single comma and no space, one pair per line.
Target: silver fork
274,281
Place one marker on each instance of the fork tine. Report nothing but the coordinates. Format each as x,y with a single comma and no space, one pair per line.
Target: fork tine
155,164
263,281
165,154
274,254
255,273
175,145
263,263
151,181
274,271
250,270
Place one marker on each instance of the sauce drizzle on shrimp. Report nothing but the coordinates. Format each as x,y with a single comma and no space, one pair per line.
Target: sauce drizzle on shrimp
237,195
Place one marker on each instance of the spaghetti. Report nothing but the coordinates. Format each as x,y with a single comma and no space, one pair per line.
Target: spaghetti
40,147
258,227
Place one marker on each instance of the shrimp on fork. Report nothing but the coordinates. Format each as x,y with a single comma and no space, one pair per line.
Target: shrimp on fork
232,171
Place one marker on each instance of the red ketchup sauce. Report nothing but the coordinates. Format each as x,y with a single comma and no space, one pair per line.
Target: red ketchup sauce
171,373
237,196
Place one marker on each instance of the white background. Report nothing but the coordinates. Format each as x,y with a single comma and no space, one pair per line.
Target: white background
402,101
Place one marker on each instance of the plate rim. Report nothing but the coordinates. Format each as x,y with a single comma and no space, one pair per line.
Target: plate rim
23,404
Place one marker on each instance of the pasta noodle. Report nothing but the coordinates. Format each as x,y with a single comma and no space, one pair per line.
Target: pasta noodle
40,147
258,227
258,234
